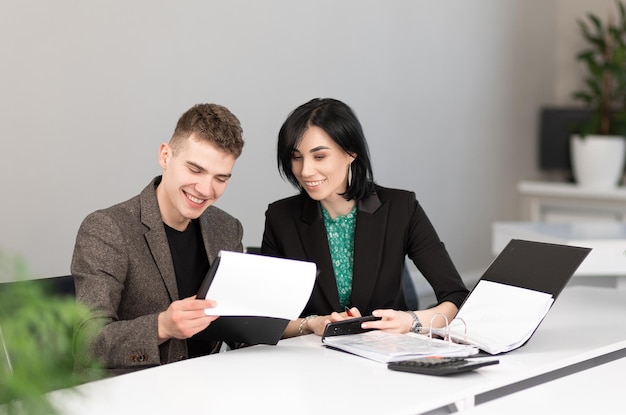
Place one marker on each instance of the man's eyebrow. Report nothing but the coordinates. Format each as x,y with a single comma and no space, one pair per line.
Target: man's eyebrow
196,166
203,170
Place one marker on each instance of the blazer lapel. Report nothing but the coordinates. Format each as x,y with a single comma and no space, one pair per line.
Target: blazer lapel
211,247
312,233
371,225
157,239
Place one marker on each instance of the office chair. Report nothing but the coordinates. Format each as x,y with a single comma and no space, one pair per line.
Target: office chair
253,250
62,285
410,294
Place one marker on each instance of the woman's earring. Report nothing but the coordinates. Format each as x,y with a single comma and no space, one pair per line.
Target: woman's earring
349,174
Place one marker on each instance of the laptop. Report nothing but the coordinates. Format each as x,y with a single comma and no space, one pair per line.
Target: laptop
238,330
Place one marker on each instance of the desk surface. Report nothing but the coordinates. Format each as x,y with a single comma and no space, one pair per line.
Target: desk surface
299,375
599,389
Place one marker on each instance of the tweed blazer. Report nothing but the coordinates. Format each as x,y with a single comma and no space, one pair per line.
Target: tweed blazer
390,225
123,270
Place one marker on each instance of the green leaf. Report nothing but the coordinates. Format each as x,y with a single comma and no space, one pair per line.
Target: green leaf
622,15
604,58
596,22
38,331
596,40
583,96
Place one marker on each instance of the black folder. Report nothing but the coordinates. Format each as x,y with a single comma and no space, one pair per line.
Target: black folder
538,266
240,330
530,265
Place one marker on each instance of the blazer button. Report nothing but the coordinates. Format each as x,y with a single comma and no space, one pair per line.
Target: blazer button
138,357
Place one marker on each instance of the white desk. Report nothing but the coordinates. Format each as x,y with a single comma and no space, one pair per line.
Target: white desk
607,240
599,389
301,376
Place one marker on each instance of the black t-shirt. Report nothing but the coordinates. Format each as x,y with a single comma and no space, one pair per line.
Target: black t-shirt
190,265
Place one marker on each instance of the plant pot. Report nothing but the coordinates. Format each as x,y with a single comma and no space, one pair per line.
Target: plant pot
598,160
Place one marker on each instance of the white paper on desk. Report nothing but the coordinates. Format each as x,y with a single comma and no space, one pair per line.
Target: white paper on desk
500,317
256,285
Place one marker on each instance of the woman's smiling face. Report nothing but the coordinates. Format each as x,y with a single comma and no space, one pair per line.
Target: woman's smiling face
320,165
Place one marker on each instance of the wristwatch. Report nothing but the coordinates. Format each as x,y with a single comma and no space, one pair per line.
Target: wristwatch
417,325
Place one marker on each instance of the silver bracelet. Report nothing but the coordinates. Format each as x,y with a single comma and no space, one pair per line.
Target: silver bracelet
417,324
304,320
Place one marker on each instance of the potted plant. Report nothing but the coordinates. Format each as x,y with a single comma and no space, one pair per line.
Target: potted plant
38,349
599,149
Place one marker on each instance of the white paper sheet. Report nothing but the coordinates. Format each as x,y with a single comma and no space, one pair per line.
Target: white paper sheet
500,317
256,285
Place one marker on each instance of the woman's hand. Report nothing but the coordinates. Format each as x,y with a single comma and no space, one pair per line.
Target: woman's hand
318,324
401,321
391,320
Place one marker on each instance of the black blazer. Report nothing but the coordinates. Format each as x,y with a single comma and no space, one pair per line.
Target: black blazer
390,225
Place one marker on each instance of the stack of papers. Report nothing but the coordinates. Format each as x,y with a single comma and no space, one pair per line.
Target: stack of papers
385,347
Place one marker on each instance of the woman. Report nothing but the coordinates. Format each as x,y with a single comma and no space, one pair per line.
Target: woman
358,233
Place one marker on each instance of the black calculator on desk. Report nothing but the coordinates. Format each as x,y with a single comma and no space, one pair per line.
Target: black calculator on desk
440,365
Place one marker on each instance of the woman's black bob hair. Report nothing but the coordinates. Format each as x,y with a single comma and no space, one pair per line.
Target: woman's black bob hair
341,124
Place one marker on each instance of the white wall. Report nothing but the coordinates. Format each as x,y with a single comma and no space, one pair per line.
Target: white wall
448,93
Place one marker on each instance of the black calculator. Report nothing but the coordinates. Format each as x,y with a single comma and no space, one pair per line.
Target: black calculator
440,365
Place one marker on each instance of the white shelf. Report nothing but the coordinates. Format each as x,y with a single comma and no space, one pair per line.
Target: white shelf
607,240
567,202
560,189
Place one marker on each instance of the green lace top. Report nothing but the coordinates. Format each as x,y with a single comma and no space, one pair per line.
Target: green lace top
340,232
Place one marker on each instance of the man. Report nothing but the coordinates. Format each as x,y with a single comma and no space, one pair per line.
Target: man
138,264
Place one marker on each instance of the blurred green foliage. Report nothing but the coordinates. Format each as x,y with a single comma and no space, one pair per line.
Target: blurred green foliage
604,58
38,349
